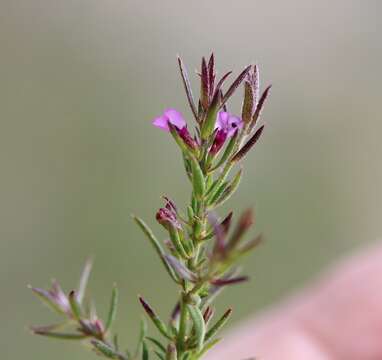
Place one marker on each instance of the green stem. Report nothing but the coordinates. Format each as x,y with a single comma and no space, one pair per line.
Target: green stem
182,326
198,230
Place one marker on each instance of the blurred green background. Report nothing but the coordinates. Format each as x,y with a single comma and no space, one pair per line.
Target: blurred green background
80,81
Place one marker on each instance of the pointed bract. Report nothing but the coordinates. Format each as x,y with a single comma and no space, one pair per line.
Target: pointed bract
187,87
248,145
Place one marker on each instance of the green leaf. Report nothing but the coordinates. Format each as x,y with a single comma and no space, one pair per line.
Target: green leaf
115,341
145,351
160,356
62,336
212,199
220,180
74,305
160,325
105,349
222,197
142,336
157,343
187,166
199,325
113,308
227,152
157,247
198,180
186,355
219,324
209,123
175,239
208,347
190,214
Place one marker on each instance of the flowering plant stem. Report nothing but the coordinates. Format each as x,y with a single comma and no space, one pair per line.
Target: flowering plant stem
202,252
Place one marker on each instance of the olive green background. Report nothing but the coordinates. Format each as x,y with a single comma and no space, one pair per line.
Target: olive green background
80,81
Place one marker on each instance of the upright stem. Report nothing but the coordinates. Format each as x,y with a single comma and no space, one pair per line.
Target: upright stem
182,326
198,229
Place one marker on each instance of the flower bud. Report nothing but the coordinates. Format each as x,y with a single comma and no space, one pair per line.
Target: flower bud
167,218
187,138
220,138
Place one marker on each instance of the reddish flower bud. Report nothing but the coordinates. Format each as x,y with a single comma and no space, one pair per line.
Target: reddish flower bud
166,216
187,138
220,138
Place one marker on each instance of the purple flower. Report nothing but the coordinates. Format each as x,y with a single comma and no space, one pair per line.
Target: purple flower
228,122
175,118
171,116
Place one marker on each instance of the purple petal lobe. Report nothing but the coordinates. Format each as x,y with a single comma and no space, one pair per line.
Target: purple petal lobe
175,118
228,122
161,122
222,120
170,115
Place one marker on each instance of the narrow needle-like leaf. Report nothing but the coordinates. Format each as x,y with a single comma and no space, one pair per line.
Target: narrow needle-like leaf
187,87
227,152
219,324
160,325
105,349
230,281
248,145
159,355
62,336
142,336
74,305
157,247
208,347
259,108
198,180
113,308
145,351
228,191
157,343
235,85
199,325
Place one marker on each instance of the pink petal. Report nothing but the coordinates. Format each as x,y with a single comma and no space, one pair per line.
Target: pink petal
229,123
171,115
161,123
222,120
234,123
175,118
